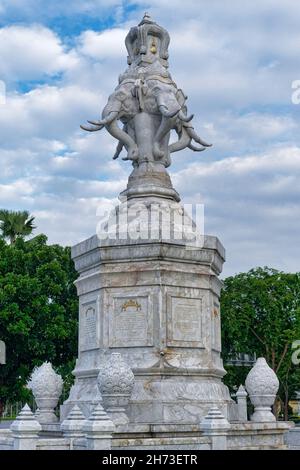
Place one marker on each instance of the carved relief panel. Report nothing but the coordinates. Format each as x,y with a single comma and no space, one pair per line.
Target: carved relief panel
130,321
89,325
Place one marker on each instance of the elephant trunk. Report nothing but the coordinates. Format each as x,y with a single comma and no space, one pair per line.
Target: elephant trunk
168,114
184,117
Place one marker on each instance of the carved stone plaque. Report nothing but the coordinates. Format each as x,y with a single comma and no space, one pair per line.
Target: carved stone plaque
216,328
88,329
130,322
185,322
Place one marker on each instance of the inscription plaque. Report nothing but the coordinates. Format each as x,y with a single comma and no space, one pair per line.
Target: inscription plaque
130,323
89,327
216,328
185,324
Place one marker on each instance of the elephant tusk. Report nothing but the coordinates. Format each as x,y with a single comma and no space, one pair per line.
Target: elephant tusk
193,134
104,122
110,118
185,118
97,123
183,141
196,149
91,129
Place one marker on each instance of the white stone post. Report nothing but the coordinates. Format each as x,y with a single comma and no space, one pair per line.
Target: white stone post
25,430
46,386
216,426
72,426
241,397
115,382
262,385
98,430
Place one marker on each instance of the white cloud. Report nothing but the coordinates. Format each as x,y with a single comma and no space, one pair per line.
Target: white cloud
251,204
103,45
31,53
19,190
48,112
236,61
43,9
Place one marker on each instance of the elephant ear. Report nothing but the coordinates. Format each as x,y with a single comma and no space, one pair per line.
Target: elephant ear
180,97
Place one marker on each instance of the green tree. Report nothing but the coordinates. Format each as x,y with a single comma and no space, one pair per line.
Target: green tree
261,315
38,311
16,224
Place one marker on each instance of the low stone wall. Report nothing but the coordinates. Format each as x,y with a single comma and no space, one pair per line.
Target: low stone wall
53,444
240,436
6,440
258,436
167,443
292,438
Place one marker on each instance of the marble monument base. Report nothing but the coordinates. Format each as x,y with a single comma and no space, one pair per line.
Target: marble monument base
157,303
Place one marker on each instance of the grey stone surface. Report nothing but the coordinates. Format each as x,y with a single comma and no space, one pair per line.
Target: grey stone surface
72,426
241,396
25,430
98,430
157,304
116,381
46,386
258,435
250,436
53,444
292,438
215,425
6,439
262,385
240,436
5,424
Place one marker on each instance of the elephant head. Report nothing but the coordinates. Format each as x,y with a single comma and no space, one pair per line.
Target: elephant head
122,104
170,104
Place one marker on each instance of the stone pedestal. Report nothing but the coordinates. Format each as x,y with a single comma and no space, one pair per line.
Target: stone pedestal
156,301
25,430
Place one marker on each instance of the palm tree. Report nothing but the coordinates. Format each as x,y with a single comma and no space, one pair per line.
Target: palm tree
16,224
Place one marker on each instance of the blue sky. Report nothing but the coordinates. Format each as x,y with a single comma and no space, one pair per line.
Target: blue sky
235,60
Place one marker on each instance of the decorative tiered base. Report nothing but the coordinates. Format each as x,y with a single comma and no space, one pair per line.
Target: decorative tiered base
156,301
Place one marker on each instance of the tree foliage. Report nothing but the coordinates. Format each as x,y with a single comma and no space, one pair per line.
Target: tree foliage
15,224
38,310
261,315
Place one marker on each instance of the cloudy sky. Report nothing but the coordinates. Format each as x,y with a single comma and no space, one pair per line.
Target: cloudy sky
236,60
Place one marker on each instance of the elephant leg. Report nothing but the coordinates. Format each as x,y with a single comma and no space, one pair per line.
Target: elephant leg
131,133
167,160
120,145
165,126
